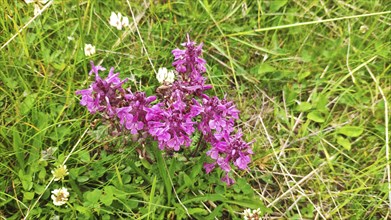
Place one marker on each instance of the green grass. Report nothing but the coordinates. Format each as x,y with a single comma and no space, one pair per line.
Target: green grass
312,80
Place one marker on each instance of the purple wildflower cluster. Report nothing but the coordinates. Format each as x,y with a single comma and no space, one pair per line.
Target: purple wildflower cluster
181,108
108,97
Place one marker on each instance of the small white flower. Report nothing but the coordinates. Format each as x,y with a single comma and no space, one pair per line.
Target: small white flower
257,211
265,56
89,49
132,77
364,29
118,21
55,217
249,214
244,9
60,196
37,9
125,21
37,5
115,20
164,75
42,2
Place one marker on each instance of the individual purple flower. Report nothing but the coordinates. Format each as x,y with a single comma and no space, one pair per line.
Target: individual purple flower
228,180
95,69
209,167
242,161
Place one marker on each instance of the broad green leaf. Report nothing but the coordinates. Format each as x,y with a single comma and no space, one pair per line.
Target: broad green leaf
130,203
84,156
316,116
83,210
321,101
163,172
11,82
304,106
93,196
126,178
197,168
27,183
350,131
18,148
39,189
212,197
188,181
28,195
107,198
249,203
303,75
151,196
106,217
42,174
265,68
197,211
27,103
82,179
345,143
146,164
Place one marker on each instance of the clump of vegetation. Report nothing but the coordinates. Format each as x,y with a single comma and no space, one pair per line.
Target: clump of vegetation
311,82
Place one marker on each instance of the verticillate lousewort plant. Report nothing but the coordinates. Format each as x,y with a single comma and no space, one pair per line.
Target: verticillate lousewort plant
171,117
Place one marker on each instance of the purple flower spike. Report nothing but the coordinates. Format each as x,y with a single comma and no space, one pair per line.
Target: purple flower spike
108,97
191,66
181,108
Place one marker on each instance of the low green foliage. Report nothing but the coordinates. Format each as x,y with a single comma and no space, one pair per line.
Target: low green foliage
313,96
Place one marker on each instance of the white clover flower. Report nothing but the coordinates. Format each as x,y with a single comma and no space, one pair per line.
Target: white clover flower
257,211
37,5
115,20
125,21
118,21
42,2
89,49
246,213
55,217
70,38
249,214
364,29
60,196
60,172
164,75
37,9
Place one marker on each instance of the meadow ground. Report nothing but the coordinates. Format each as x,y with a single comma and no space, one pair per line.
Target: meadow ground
312,80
